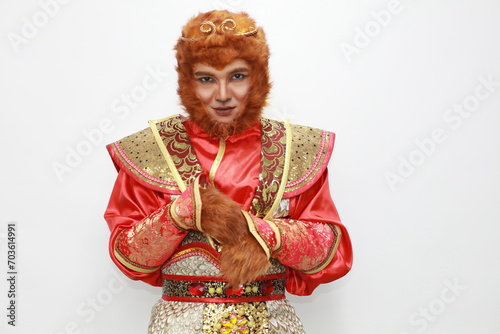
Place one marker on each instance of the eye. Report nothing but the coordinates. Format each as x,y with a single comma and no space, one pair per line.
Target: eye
238,76
205,79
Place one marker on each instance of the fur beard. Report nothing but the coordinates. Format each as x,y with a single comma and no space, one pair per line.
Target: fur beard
225,129
219,129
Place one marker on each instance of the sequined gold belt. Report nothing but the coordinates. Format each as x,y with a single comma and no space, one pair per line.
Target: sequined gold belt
212,289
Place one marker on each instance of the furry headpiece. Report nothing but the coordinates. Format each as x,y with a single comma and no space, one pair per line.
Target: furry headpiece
216,39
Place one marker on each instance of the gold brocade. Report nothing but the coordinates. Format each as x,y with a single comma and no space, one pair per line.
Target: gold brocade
141,154
170,317
176,317
177,150
146,259
305,149
218,289
309,154
169,161
244,318
274,139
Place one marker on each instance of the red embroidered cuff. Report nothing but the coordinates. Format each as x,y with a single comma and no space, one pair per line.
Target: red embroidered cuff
186,209
265,231
145,246
305,246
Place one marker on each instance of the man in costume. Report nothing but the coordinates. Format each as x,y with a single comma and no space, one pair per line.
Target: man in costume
225,209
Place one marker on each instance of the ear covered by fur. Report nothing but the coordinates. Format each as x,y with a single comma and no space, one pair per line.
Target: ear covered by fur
219,49
242,257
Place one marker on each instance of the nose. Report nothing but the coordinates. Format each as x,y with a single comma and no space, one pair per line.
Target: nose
223,93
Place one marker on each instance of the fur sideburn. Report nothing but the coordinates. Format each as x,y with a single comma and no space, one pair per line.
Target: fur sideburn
242,257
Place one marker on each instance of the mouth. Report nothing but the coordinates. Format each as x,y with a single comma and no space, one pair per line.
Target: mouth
223,111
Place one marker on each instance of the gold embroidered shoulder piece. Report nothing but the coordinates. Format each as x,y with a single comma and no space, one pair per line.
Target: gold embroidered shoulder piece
161,157
309,155
141,156
293,158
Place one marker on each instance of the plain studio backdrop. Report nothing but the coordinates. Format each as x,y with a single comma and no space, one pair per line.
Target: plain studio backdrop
410,87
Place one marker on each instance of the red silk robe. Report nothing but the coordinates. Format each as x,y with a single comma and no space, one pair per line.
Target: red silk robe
266,154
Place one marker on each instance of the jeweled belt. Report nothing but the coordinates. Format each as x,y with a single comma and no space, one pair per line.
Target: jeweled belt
213,289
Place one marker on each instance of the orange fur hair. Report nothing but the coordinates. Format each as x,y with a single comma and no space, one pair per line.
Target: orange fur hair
242,257
218,50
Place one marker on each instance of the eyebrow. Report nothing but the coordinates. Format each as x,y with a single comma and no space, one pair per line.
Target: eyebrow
208,74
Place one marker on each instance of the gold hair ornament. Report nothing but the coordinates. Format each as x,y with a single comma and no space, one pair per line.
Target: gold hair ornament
208,27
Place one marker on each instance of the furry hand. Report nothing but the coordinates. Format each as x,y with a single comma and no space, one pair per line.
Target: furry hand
242,257
244,261
221,217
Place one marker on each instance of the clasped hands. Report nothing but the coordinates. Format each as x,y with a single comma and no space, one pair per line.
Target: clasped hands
204,208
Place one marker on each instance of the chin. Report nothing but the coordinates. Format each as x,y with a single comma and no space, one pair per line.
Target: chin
224,129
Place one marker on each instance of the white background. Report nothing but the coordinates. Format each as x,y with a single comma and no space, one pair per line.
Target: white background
422,211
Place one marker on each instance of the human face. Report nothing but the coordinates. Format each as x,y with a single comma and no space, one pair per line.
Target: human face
223,92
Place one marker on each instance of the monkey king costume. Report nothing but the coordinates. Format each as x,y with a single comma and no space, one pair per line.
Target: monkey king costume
225,217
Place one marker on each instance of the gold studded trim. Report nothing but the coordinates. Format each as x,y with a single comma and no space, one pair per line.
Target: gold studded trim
160,157
140,156
310,152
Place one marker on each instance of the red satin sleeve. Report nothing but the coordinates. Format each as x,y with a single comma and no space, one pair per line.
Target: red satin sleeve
129,204
316,205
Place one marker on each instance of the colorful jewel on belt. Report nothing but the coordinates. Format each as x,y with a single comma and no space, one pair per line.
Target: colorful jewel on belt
234,324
